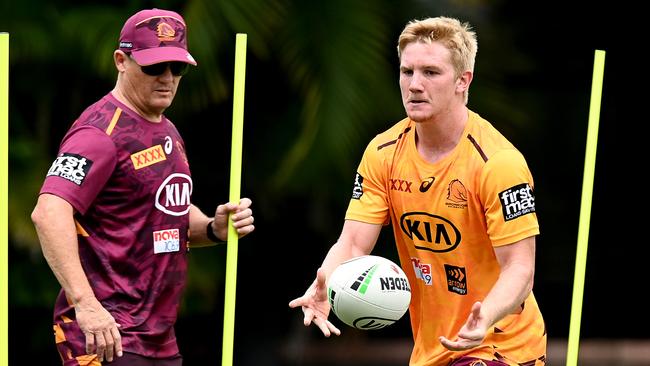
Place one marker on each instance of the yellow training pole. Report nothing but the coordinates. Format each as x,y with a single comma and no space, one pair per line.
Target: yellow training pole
4,198
585,210
235,182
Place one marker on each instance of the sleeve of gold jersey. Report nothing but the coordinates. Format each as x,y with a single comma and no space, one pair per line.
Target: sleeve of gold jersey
506,190
369,201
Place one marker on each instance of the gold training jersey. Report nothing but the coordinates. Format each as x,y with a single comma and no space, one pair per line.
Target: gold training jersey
447,217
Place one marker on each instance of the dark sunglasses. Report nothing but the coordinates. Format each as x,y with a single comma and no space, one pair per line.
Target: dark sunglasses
177,68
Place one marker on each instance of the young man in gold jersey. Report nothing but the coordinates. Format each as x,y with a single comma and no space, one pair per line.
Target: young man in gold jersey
460,199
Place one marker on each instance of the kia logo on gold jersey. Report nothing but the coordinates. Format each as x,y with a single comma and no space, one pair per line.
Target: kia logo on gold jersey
430,232
173,195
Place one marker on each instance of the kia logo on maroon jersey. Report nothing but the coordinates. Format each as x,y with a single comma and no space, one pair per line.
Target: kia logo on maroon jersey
173,196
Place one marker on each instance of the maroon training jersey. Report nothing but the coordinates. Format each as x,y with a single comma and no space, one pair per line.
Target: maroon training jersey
129,181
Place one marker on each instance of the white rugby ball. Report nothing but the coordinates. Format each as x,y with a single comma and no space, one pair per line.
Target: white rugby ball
368,292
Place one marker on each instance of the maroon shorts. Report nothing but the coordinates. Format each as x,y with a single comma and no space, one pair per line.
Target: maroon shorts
131,359
473,361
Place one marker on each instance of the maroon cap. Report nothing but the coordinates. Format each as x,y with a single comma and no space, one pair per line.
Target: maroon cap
155,35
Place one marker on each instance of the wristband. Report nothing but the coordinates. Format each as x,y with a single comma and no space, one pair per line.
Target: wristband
210,233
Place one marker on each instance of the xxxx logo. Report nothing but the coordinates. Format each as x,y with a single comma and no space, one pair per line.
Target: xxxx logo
400,185
148,157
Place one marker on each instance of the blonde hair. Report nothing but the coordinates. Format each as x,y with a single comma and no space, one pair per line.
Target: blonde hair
458,38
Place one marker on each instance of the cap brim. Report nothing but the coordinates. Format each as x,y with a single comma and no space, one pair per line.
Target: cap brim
162,54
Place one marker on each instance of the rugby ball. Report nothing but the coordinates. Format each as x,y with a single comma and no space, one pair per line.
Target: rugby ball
368,292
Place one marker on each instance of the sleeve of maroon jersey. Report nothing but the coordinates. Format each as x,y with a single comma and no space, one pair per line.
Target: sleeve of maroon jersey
85,162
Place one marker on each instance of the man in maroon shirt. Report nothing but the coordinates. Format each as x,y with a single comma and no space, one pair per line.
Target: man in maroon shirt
114,216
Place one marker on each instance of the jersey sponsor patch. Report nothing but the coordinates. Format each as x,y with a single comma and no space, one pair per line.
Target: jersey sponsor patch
400,185
517,201
430,232
148,157
71,167
357,191
173,195
166,241
456,279
422,271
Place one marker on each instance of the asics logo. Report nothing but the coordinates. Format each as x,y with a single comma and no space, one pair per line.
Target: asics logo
426,184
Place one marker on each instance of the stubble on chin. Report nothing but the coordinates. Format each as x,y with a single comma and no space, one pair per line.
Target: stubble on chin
418,116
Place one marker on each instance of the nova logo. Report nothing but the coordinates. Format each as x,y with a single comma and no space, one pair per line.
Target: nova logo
517,201
166,241
422,271
173,195
148,157
430,232
400,185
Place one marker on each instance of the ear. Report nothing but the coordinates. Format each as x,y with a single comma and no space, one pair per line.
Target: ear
120,59
463,81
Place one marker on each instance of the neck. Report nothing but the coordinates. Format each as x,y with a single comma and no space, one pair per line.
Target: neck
133,105
438,137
